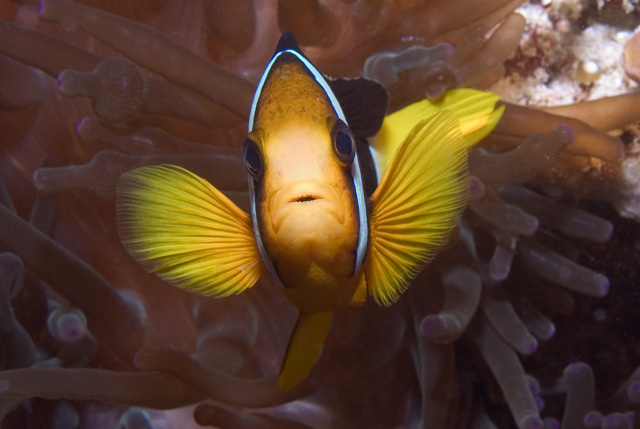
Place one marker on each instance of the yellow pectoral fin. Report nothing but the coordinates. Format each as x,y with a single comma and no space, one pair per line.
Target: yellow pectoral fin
475,110
180,227
305,347
418,202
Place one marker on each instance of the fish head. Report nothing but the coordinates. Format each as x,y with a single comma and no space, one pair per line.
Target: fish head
301,158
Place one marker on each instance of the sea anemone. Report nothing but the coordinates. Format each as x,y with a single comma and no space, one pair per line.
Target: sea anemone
481,338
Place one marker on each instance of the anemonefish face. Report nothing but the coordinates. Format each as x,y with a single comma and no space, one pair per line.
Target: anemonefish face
300,155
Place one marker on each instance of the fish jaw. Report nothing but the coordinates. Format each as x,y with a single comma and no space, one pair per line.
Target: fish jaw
310,231
316,198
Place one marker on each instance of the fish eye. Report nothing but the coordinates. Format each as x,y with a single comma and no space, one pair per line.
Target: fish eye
344,144
252,159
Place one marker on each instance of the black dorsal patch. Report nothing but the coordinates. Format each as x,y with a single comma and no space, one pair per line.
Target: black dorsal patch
287,41
364,103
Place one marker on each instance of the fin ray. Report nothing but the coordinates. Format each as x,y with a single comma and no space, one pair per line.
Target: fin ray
180,227
418,202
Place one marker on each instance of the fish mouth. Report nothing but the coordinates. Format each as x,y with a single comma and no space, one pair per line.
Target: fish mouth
305,199
308,196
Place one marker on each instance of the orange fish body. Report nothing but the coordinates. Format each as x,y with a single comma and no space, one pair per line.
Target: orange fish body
304,203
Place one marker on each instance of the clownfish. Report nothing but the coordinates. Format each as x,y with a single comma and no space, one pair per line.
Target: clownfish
312,227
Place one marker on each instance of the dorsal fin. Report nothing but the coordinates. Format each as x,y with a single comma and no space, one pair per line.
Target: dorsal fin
364,103
287,41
